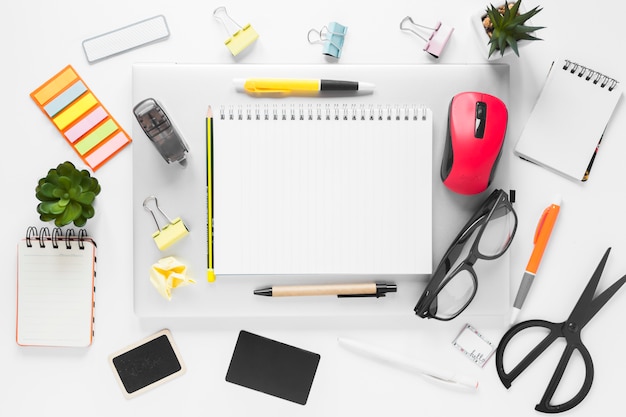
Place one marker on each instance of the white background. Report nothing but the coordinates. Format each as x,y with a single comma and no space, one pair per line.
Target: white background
40,39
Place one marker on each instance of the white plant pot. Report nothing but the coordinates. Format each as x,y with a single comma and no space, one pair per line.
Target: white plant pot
483,38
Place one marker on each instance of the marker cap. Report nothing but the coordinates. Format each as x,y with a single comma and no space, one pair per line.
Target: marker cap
239,84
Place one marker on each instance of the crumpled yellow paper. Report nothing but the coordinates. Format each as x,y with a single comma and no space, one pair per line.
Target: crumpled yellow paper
167,274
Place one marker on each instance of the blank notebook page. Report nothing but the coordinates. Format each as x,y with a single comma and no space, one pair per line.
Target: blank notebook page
569,119
55,294
322,190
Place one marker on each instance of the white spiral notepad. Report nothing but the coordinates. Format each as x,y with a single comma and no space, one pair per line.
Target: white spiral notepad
56,275
568,121
322,189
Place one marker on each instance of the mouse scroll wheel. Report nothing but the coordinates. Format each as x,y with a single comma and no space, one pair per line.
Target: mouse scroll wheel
481,117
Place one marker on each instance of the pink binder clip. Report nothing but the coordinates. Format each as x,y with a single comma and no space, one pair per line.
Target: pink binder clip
437,39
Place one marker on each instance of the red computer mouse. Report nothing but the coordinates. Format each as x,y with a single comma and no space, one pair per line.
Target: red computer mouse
476,129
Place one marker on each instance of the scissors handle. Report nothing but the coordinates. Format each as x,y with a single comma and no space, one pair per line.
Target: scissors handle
573,343
544,405
508,377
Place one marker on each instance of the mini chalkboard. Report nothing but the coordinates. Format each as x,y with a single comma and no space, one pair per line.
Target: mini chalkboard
272,367
147,363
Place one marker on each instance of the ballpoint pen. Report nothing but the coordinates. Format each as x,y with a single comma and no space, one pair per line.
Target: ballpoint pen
446,377
542,235
374,289
278,86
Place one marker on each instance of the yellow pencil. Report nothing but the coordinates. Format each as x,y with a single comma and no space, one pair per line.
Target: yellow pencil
209,184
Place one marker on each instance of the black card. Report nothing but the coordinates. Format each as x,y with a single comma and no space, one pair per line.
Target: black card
147,363
272,367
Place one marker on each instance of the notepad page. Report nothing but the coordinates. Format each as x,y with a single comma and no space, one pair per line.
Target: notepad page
55,294
568,121
329,196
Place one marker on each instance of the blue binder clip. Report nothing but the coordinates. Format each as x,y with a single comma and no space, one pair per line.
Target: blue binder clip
331,37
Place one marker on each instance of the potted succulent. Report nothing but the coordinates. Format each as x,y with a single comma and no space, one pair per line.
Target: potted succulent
67,195
505,28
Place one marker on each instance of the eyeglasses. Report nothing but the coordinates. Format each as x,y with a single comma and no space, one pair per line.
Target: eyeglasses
453,285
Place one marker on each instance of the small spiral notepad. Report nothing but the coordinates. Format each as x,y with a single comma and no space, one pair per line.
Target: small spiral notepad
55,288
322,189
568,121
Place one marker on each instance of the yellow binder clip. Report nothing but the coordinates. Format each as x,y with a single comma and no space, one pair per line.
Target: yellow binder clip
239,37
171,233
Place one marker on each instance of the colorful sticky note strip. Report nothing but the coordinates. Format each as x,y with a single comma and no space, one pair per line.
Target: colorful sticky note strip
80,117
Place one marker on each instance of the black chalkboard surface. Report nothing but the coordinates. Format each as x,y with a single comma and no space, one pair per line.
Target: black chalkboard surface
272,367
147,363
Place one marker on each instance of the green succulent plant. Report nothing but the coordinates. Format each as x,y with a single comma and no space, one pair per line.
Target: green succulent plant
67,195
506,26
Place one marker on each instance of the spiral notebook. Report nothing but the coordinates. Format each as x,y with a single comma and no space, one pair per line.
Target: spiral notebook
568,121
56,274
321,189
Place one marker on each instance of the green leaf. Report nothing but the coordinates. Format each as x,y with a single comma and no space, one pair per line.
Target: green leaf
86,198
47,189
59,223
501,44
90,184
513,44
75,179
75,192
43,197
515,8
65,182
72,211
80,221
493,48
50,207
66,169
52,177
527,29
44,217
88,212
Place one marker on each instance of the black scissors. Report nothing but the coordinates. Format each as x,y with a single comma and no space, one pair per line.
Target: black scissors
586,307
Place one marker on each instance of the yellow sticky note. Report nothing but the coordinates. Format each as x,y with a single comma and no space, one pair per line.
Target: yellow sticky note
74,111
168,273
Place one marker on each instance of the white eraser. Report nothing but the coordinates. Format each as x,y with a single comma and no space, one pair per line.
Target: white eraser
124,39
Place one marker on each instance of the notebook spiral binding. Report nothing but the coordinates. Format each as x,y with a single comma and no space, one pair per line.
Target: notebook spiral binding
43,235
598,78
324,112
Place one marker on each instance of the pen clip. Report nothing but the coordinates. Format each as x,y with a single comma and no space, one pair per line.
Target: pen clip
463,384
275,91
377,295
542,220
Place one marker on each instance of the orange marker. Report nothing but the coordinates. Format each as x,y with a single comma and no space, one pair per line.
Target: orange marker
542,235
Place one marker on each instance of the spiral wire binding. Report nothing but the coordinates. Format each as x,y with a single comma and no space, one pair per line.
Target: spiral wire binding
323,112
31,233
580,70
44,235
56,232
